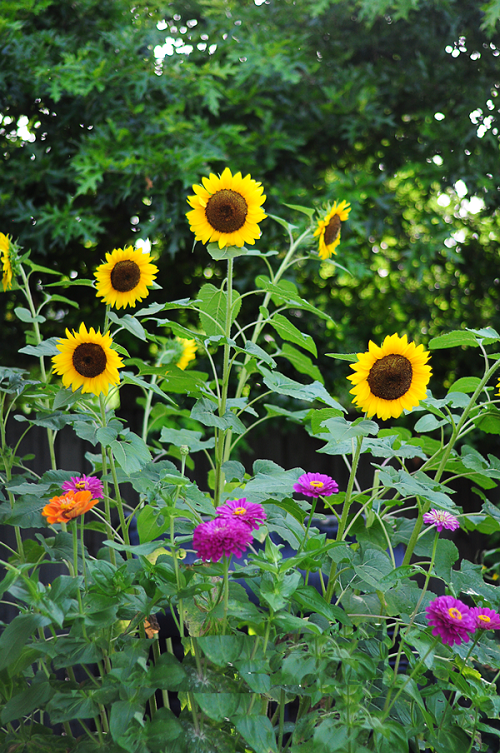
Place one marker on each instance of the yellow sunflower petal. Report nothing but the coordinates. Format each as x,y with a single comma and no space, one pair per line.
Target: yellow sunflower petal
390,378
5,255
125,276
87,360
230,212
328,229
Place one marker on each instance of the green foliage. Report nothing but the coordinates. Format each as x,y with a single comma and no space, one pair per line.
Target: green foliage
317,635
371,102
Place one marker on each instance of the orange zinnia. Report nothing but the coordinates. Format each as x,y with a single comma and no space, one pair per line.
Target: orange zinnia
68,506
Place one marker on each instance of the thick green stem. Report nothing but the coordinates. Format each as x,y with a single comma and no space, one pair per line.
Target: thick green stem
107,505
147,409
259,324
222,436
38,340
119,502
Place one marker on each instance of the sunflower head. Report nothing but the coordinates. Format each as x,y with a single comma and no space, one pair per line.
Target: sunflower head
8,256
328,229
187,349
390,379
125,276
227,210
87,360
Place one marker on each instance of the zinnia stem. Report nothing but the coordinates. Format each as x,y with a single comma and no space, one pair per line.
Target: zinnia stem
226,560
421,598
388,704
345,514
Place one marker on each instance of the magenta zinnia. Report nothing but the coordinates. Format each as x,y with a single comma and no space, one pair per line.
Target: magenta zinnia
82,483
249,513
441,519
316,485
486,619
221,537
451,620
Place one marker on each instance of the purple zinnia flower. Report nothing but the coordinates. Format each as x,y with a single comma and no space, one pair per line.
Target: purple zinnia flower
451,619
441,519
316,485
249,513
486,619
221,536
84,483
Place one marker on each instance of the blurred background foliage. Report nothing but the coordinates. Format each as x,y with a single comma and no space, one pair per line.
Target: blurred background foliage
111,110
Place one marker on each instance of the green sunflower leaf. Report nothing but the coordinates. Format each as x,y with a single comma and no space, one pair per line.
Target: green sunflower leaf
305,210
130,323
45,348
213,305
230,252
191,439
301,362
25,316
283,385
289,331
454,339
466,384
352,357
204,412
287,225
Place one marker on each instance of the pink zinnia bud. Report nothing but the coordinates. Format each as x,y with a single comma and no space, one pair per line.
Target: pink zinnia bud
316,485
84,483
441,519
451,619
221,537
249,513
486,619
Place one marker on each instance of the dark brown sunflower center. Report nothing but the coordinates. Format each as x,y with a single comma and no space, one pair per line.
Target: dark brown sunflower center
390,377
125,276
89,359
332,230
226,211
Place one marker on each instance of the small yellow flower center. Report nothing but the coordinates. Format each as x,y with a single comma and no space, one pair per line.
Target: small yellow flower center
390,377
125,275
316,484
80,484
239,511
455,613
484,618
89,360
226,211
332,230
68,504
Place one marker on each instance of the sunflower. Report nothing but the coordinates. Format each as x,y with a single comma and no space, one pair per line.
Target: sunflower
188,348
5,249
86,360
227,209
328,229
390,379
124,278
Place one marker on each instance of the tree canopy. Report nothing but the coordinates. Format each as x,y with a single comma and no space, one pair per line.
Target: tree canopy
111,111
